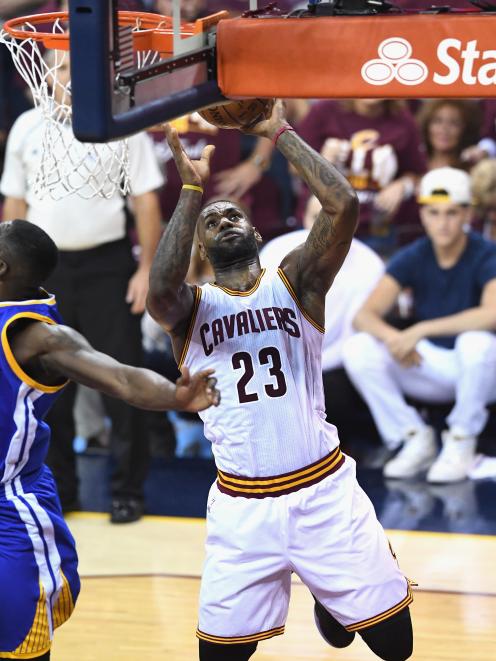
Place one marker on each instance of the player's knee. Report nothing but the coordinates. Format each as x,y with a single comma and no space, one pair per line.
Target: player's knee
330,629
391,640
357,352
218,652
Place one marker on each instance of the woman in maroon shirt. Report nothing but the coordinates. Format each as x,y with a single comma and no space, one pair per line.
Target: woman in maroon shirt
448,127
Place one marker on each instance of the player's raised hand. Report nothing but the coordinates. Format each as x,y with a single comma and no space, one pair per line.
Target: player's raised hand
268,128
197,392
195,173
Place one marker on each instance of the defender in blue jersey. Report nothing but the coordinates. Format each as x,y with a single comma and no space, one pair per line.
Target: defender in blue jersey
39,582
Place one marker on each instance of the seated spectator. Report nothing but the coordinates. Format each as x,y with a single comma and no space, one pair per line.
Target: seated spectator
449,354
376,144
486,147
357,277
449,127
483,177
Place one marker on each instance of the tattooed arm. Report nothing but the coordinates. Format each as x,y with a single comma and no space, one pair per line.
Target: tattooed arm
311,268
170,299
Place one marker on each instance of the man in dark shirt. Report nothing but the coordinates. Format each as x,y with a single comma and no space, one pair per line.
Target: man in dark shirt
449,354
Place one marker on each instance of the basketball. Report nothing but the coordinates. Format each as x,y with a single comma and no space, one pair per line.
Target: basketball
238,114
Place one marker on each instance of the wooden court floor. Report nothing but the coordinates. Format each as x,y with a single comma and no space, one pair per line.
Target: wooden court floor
140,586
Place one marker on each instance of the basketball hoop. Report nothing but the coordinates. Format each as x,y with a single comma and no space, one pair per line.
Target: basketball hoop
39,46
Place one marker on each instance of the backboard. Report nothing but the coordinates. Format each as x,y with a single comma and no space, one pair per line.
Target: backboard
125,78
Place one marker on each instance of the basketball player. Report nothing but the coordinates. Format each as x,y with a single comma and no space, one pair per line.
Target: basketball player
286,498
39,583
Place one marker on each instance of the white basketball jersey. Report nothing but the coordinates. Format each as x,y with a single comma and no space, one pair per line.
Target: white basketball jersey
266,352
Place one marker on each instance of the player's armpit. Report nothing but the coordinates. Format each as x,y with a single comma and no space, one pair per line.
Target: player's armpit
312,267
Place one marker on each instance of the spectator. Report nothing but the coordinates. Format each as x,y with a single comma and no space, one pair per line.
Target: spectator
377,145
357,277
484,191
449,354
449,127
100,290
486,147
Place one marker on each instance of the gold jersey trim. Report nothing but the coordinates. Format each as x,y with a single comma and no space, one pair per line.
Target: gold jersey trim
50,300
279,485
196,304
293,295
226,640
235,292
14,365
364,624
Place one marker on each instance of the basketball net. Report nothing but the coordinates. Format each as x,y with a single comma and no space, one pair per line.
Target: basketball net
67,166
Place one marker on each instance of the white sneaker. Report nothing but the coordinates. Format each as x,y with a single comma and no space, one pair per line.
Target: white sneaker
455,459
416,455
483,468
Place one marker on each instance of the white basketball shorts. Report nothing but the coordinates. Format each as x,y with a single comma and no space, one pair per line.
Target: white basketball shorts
326,532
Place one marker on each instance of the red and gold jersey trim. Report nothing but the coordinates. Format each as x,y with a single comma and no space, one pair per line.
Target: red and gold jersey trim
196,304
278,485
14,365
293,295
225,640
364,624
235,292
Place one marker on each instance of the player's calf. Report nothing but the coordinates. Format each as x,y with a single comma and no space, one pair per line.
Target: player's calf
219,652
330,629
391,640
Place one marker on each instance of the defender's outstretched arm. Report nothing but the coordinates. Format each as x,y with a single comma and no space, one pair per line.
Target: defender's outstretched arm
62,353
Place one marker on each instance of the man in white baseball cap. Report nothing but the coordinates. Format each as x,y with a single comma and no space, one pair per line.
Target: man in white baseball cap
447,185
448,354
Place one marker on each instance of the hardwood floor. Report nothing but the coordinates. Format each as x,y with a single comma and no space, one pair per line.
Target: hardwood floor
141,583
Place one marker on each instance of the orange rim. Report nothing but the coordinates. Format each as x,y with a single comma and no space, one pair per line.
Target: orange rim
155,30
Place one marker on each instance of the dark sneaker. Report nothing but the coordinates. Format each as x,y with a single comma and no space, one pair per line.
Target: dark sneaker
126,510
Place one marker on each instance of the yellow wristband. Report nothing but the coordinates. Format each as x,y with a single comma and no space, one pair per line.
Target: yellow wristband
191,187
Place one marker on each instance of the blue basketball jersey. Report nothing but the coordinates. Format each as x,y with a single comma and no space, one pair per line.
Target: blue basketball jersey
24,436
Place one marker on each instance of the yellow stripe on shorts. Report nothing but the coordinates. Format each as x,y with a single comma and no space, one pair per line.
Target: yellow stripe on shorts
277,485
364,624
251,638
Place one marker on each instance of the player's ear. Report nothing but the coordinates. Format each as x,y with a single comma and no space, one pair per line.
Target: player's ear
201,251
4,268
258,236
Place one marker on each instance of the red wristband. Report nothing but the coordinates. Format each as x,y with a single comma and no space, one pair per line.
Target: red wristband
280,132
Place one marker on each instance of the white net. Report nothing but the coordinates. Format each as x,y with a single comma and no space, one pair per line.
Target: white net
67,166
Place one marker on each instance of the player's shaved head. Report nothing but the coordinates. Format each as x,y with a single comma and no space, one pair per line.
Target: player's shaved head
225,233
29,255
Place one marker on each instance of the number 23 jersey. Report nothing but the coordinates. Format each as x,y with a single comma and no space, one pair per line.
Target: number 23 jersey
266,352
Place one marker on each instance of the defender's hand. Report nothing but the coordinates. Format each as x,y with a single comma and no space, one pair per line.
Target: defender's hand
267,128
196,393
191,172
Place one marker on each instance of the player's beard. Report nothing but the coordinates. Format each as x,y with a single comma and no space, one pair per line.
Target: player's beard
230,252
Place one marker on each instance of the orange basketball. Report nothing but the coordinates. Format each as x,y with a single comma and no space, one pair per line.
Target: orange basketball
238,114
